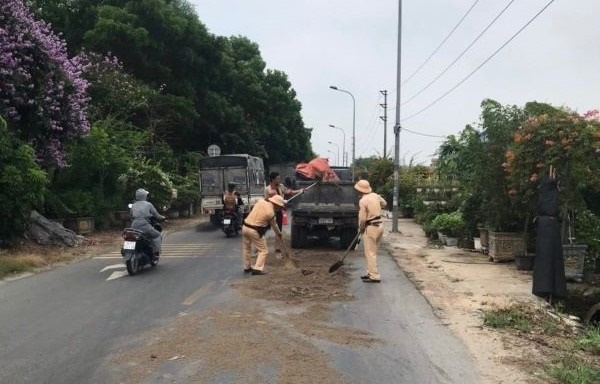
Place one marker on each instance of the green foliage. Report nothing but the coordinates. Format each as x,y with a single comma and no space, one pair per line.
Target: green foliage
572,369
590,340
162,89
507,318
152,178
78,203
473,216
587,231
22,184
188,191
90,186
558,138
380,171
451,224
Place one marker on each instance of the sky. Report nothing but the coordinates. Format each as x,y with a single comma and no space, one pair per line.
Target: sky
353,44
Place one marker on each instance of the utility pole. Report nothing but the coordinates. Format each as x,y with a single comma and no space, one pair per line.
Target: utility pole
397,127
384,118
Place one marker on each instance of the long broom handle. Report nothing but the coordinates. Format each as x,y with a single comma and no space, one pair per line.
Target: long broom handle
305,189
351,246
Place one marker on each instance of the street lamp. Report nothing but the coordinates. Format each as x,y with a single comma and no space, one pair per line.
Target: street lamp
338,151
353,124
344,154
330,151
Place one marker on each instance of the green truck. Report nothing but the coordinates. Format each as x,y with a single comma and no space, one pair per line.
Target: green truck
327,210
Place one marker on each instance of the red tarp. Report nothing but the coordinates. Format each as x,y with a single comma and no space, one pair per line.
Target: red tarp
316,169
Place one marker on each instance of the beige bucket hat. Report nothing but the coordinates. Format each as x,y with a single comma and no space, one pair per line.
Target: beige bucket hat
363,186
277,200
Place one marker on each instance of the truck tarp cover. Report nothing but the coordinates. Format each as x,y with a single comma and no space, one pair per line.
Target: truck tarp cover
316,169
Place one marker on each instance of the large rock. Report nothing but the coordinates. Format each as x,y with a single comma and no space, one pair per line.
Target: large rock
46,232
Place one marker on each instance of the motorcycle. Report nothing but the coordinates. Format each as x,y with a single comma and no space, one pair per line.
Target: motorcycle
137,250
230,223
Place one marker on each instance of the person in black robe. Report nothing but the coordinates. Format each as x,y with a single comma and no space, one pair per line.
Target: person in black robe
549,280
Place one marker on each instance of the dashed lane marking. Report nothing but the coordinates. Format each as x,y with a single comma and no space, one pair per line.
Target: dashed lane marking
172,251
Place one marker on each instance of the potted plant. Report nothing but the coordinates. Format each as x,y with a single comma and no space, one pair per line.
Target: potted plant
440,225
451,225
456,227
524,261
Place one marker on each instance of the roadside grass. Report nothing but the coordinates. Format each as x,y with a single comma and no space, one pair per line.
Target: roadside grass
30,257
573,369
590,341
572,358
12,265
511,317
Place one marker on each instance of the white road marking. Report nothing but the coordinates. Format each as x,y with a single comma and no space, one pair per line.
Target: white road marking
171,250
108,257
114,266
116,275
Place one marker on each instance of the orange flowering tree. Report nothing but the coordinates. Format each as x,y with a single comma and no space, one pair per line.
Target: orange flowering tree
553,137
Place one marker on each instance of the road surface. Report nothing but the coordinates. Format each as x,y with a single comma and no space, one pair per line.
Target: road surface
198,318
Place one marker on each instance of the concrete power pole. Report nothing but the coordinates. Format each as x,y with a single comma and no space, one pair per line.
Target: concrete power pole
397,127
384,118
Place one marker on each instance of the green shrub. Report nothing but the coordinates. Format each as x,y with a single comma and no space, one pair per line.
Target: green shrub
452,224
507,318
79,203
152,178
188,191
22,184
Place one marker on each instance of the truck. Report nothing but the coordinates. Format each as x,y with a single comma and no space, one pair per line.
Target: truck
246,171
329,209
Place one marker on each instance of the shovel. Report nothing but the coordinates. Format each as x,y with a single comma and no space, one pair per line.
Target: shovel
340,262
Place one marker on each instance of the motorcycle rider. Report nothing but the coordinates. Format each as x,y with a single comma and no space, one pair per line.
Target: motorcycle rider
232,202
142,211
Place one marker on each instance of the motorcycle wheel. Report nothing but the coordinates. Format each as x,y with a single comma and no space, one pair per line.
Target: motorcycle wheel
154,262
133,265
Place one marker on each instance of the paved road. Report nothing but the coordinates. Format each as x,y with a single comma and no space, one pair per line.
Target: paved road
59,326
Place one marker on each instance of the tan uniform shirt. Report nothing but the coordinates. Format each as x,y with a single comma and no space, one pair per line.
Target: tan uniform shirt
370,206
262,215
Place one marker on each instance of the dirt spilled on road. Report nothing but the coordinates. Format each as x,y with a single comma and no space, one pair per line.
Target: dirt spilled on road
310,282
272,340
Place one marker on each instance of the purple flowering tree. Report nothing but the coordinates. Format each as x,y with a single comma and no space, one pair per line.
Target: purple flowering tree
42,90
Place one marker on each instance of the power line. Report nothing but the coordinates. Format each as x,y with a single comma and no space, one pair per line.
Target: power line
480,65
461,54
370,129
441,44
423,134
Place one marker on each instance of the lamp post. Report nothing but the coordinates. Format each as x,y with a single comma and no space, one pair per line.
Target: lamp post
353,124
330,151
338,151
344,154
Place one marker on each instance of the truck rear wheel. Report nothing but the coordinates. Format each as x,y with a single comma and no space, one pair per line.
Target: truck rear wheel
347,236
299,236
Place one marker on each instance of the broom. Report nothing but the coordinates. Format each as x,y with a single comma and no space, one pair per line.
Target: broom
288,261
